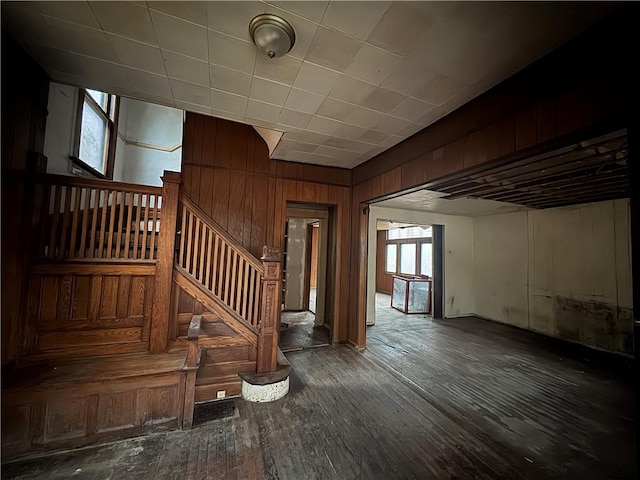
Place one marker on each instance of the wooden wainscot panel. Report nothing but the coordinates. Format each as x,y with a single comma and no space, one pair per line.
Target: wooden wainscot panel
70,311
116,411
157,405
65,419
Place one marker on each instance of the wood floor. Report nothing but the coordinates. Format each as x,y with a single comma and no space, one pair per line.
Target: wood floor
461,399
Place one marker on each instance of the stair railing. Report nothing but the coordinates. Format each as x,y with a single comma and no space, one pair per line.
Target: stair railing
211,257
81,218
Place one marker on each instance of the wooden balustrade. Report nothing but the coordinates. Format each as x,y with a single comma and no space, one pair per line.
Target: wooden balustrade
213,258
94,219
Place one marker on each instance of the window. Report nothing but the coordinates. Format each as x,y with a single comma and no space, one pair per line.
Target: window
95,132
409,251
392,252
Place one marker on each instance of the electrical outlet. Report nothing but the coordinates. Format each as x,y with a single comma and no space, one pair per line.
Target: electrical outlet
221,394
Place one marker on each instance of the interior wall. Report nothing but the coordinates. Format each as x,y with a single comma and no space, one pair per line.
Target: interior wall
149,142
61,121
384,280
296,268
563,272
458,257
228,173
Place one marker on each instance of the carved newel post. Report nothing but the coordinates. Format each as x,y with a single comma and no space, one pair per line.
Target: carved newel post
270,312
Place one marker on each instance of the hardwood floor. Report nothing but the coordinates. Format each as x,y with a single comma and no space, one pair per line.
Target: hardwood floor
461,398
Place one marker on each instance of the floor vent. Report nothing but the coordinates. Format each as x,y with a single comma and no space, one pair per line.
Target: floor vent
215,410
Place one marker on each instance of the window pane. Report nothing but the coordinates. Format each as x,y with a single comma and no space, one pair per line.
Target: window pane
93,138
426,259
392,252
408,258
100,98
409,232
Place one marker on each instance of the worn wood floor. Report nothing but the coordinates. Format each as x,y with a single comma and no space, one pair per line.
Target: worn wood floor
458,399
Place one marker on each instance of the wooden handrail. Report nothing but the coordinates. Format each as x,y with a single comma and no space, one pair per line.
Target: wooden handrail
66,180
192,363
221,231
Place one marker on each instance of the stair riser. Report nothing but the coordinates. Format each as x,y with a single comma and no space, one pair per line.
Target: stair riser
228,354
210,391
225,369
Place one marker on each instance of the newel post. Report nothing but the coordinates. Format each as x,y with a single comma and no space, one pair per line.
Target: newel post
164,262
268,333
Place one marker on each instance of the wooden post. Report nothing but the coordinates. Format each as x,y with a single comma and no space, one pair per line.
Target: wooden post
269,315
164,263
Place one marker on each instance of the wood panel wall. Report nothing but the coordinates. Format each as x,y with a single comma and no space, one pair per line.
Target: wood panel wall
25,90
384,280
542,107
85,310
227,172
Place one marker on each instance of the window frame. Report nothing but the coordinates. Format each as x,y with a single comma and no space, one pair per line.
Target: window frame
418,241
111,118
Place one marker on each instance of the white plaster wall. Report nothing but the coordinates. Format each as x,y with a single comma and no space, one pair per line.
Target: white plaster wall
564,272
152,124
458,258
145,166
58,141
296,253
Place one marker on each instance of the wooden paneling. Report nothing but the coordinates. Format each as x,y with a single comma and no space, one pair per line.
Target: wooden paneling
24,111
72,404
69,311
384,280
249,194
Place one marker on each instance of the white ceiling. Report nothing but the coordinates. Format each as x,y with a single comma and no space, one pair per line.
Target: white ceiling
436,202
361,77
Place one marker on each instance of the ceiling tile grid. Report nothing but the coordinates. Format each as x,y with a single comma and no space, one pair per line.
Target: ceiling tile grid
361,77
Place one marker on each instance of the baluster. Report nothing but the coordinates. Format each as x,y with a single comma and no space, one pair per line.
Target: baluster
251,289
245,290
137,202
145,227
121,196
154,233
104,205
220,272
127,237
54,221
112,218
227,275
74,222
233,288
189,241
86,201
209,254
182,235
94,222
203,235
216,278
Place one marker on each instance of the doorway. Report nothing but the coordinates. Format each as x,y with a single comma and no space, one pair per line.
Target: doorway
304,319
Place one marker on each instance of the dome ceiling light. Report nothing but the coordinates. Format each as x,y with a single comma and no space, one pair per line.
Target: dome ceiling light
272,35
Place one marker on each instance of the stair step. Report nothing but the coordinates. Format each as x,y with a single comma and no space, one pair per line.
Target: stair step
228,354
225,369
231,386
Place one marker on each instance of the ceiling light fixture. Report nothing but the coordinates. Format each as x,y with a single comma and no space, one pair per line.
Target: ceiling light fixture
272,35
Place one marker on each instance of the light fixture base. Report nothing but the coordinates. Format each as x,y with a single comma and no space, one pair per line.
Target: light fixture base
273,35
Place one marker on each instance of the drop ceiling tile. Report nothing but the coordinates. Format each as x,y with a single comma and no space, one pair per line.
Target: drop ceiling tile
363,117
336,153
409,76
392,125
373,136
268,91
75,38
158,99
349,131
323,125
192,107
335,109
439,89
383,100
310,10
227,115
333,49
316,79
357,19
180,36
188,92
401,26
258,122
228,102
282,69
195,12
76,12
137,55
360,147
373,64
304,147
350,90
305,30
233,18
337,142
230,80
412,109
126,19
303,101
262,111
305,136
231,52
148,82
294,118
186,68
